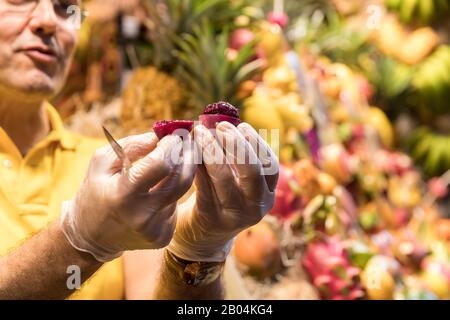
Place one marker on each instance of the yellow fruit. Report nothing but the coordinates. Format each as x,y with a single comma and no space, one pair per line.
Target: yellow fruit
272,42
339,113
246,89
294,115
389,36
261,113
417,46
377,279
383,290
377,119
280,77
437,283
404,192
327,183
334,161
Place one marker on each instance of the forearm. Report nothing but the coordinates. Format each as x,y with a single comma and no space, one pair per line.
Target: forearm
39,268
170,287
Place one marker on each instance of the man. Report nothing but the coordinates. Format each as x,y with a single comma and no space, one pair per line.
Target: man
93,224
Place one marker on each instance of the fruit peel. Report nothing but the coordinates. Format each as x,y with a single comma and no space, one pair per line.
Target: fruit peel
219,112
165,127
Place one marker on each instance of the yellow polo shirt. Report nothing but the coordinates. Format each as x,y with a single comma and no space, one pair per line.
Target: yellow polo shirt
32,189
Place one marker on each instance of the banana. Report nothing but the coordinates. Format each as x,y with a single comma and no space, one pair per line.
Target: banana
393,4
432,161
426,10
446,161
407,9
421,149
432,80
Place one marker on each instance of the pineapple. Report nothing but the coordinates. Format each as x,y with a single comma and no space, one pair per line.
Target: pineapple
152,95
169,19
189,40
206,70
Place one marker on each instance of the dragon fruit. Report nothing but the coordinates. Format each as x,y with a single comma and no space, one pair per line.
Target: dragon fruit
438,187
218,112
328,266
287,200
165,127
240,37
279,18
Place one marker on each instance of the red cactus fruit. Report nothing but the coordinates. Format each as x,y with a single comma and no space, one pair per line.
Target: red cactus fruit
164,128
218,112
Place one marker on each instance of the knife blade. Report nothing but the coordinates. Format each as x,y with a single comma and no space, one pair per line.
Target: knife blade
117,148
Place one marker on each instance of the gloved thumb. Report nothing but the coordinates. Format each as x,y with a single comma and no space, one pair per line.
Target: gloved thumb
155,166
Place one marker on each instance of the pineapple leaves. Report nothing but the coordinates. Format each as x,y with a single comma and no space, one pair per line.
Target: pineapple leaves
204,66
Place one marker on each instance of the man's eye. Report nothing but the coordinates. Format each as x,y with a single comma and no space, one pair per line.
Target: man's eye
66,8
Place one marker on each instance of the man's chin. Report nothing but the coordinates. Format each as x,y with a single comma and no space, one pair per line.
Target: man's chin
38,84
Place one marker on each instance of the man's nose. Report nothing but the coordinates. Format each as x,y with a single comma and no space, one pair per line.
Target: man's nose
44,19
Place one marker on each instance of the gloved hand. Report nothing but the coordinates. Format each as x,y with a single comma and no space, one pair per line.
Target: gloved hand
117,210
234,190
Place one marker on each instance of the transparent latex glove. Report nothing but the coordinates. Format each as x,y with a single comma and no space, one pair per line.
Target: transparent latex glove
117,210
234,190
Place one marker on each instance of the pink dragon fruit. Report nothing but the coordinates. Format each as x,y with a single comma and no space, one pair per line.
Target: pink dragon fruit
328,266
287,200
279,18
240,37
438,187
218,112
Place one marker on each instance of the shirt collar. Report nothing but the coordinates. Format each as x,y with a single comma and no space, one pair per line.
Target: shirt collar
58,134
68,141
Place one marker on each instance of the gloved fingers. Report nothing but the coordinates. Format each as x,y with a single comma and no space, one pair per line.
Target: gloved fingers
159,228
179,180
265,154
220,174
154,167
244,160
135,147
203,183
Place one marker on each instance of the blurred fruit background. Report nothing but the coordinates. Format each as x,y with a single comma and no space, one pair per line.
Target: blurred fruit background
354,96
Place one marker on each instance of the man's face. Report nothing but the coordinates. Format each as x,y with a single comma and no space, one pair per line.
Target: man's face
37,41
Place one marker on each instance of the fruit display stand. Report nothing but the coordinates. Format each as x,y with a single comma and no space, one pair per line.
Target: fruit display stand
348,214
358,115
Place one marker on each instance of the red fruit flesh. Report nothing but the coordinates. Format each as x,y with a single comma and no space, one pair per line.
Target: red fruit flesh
218,112
164,128
211,121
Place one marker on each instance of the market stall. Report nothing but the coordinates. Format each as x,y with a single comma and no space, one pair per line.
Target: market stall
352,95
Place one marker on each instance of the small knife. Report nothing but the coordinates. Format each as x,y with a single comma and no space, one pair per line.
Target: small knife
126,163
